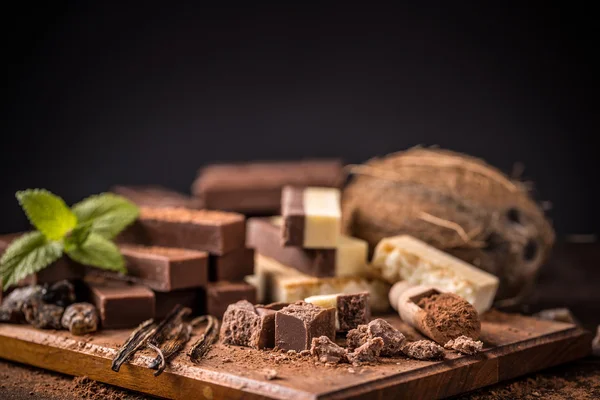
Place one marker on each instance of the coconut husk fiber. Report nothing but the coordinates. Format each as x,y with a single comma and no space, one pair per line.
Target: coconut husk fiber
456,203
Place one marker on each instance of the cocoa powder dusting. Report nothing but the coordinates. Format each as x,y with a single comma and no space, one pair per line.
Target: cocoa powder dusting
450,316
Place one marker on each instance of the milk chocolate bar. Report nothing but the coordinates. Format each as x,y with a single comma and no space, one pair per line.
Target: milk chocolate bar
311,217
156,196
216,232
349,258
297,324
219,295
190,298
256,187
165,268
121,305
62,269
352,310
232,266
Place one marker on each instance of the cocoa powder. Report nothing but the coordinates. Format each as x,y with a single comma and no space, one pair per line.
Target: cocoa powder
450,316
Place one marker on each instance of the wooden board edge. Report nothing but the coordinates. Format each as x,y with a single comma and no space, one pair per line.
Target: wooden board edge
141,379
469,373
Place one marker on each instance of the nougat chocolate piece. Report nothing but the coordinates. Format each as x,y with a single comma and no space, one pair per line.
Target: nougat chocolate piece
219,295
231,266
297,324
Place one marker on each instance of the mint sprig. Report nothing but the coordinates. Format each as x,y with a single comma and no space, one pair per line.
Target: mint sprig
83,232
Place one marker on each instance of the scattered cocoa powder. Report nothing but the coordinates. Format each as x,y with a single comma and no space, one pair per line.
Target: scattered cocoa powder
423,350
450,316
464,345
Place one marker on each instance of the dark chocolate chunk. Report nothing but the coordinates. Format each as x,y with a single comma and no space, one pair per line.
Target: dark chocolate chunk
256,187
219,295
297,324
231,266
80,319
326,351
353,310
264,235
164,268
216,232
241,325
121,305
367,353
156,196
190,298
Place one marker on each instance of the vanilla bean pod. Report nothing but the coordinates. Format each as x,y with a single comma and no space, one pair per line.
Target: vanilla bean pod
171,347
135,341
201,347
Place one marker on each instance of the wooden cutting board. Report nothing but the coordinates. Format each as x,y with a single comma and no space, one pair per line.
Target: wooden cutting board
514,345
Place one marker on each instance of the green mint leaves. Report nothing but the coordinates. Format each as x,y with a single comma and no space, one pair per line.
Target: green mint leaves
84,233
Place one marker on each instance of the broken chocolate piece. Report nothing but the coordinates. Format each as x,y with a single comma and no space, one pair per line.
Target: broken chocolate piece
367,353
164,268
357,337
121,305
216,232
61,293
326,351
219,295
43,316
256,187
465,345
423,350
297,324
231,266
156,196
353,310
80,319
393,339
241,325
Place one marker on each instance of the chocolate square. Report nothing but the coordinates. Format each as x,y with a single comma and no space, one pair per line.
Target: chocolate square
353,310
297,324
219,295
231,266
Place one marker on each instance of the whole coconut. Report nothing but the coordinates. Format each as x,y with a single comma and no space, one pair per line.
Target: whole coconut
456,203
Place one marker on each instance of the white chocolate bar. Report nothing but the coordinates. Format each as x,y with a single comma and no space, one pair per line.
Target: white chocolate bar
407,258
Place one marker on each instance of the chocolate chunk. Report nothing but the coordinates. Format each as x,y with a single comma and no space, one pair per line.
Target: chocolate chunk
357,337
465,345
193,299
297,324
165,269
353,310
423,350
231,266
367,353
393,339
121,305
264,235
80,319
219,295
241,325
156,196
256,187
213,231
326,351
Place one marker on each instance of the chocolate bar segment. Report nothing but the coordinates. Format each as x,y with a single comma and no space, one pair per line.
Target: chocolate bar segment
156,196
231,266
311,217
246,325
256,187
216,232
121,305
219,295
165,268
297,324
190,298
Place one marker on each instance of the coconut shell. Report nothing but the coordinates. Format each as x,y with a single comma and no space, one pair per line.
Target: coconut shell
457,203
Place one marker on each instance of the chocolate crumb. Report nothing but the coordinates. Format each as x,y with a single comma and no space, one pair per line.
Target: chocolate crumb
596,343
305,353
423,350
270,374
327,351
351,370
465,345
292,353
367,353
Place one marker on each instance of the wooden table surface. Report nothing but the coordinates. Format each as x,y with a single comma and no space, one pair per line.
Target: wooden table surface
571,279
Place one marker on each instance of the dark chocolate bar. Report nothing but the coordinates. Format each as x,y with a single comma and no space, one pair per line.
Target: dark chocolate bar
265,237
297,324
156,196
165,268
216,232
190,298
231,266
219,295
256,187
120,304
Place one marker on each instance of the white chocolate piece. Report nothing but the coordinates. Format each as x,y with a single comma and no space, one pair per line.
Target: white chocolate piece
406,258
286,284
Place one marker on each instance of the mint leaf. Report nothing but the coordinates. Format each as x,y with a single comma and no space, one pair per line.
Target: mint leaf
47,212
26,255
78,236
108,213
97,251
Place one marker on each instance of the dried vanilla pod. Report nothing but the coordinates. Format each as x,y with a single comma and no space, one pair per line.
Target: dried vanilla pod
43,316
133,343
61,293
173,345
12,306
163,331
80,319
202,346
